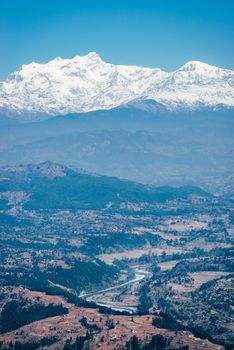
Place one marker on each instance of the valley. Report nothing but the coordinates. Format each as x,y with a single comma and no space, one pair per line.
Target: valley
117,253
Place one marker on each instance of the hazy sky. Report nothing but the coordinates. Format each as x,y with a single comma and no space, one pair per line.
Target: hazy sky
159,33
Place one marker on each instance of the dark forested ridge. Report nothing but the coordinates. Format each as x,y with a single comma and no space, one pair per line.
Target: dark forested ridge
52,186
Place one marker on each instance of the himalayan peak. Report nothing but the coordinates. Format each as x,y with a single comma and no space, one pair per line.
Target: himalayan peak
87,83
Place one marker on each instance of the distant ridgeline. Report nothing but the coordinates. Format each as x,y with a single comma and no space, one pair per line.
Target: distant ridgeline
52,186
142,141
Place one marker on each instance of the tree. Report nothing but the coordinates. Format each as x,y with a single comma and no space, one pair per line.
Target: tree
133,344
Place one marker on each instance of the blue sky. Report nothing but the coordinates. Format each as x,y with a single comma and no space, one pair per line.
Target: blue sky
155,33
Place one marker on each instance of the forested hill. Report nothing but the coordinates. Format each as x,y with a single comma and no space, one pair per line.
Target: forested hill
53,186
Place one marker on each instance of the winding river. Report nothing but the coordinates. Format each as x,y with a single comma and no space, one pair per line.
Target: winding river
139,275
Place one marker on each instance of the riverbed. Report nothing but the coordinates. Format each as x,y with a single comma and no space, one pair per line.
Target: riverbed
139,275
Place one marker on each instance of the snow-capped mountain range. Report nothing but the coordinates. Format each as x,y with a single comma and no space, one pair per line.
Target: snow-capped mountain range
87,83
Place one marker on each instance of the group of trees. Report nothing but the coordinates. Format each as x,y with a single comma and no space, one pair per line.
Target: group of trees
82,342
158,342
78,344
144,300
16,314
29,345
167,321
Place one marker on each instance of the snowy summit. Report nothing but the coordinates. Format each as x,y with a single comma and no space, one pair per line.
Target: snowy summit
87,83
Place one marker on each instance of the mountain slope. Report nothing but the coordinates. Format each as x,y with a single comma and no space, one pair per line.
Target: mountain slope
52,186
140,142
86,83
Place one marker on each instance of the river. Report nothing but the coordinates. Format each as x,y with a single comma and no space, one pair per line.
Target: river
139,275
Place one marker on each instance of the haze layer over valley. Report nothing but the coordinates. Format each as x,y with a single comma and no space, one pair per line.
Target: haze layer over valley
141,141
